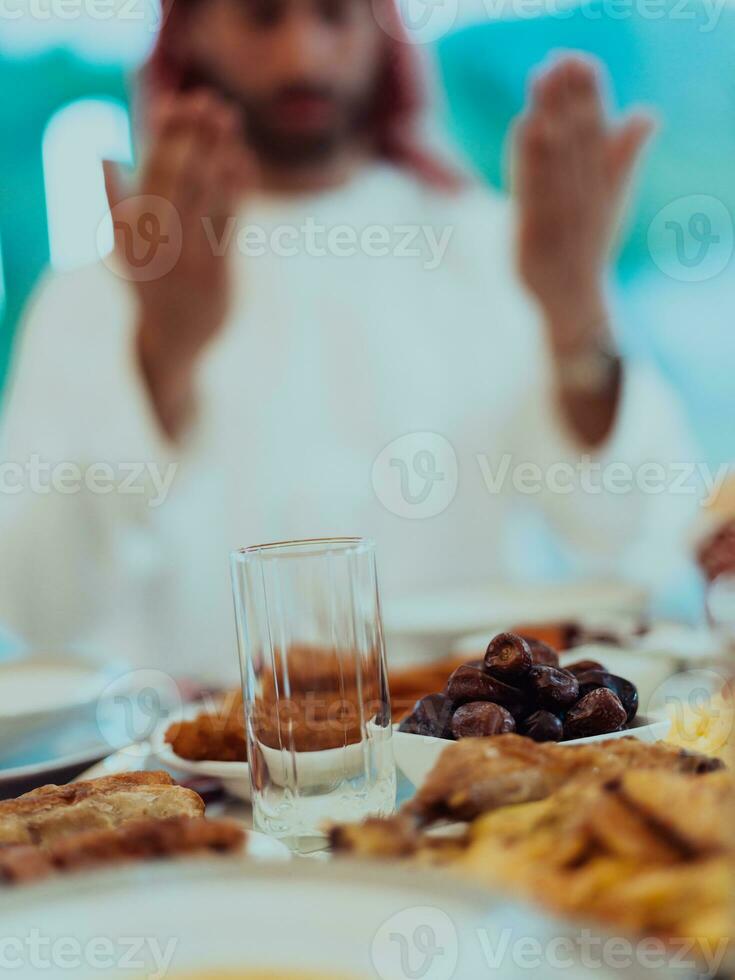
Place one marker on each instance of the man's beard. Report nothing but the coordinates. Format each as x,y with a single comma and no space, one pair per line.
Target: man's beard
291,148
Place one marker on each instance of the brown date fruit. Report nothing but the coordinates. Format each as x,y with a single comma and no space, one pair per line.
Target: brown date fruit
542,726
542,653
508,657
582,666
590,680
598,713
551,688
470,684
628,694
431,716
481,718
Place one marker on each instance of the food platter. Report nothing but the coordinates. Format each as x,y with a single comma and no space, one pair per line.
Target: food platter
339,920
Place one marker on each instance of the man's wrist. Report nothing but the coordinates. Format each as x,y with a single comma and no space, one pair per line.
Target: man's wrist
168,376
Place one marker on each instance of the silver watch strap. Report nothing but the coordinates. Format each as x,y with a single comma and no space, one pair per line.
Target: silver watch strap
588,372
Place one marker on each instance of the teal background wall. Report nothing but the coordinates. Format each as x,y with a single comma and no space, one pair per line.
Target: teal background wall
33,90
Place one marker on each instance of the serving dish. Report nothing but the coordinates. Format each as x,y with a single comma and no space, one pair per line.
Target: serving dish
338,920
416,755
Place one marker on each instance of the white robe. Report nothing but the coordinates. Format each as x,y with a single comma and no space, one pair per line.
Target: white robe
325,361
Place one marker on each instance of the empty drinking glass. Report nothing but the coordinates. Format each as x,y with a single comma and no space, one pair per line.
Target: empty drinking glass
315,686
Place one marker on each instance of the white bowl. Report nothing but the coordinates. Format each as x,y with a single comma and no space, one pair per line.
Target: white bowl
234,776
416,755
314,768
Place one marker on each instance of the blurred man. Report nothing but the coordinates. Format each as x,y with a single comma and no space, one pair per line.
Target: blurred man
313,328
716,547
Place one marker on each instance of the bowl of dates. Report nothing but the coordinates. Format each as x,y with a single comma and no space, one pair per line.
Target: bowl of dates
520,687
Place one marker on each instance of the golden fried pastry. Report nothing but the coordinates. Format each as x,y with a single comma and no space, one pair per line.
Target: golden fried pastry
52,812
635,835
622,851
476,775
128,816
216,736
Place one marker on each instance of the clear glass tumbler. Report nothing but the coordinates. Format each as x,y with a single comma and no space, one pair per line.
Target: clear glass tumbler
315,686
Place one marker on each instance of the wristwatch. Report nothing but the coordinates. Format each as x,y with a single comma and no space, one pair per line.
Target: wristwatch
590,371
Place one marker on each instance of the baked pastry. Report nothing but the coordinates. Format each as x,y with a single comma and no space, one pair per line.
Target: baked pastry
124,817
52,812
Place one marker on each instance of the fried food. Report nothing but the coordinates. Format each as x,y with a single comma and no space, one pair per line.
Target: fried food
128,816
52,812
707,726
631,834
138,840
627,851
216,736
474,776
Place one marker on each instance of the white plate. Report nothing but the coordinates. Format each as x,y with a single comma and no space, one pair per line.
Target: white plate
50,720
315,768
333,920
234,776
416,755
427,626
43,691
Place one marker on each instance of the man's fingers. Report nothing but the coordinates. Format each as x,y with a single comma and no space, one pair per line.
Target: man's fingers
113,183
627,145
192,139
539,185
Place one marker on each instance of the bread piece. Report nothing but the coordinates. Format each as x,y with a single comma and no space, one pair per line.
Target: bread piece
53,812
